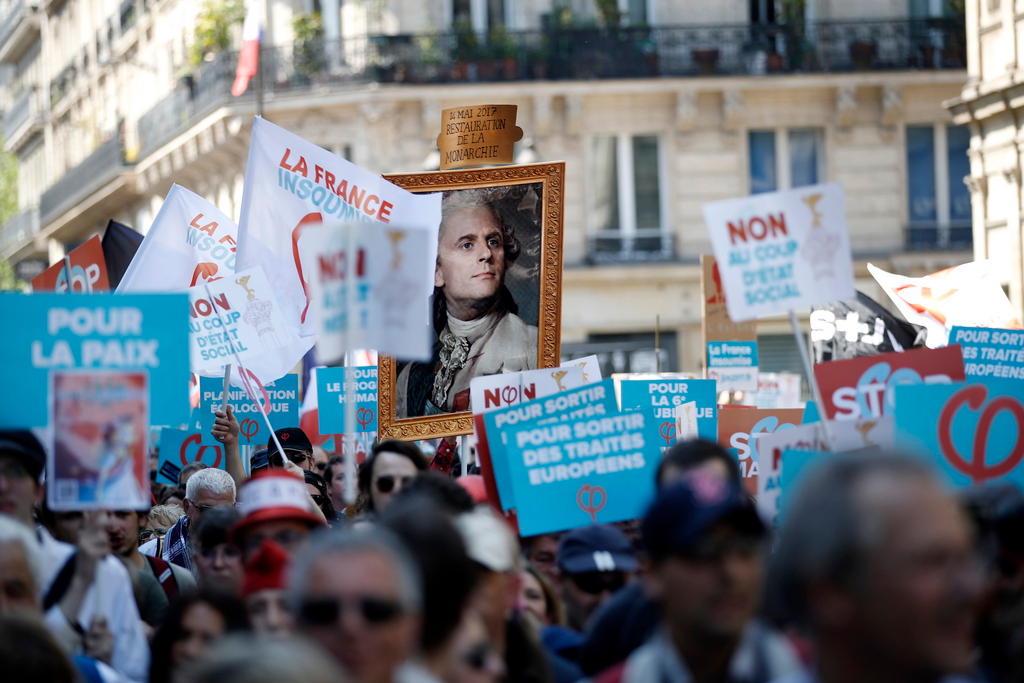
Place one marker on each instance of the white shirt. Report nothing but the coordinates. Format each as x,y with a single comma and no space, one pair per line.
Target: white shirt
110,595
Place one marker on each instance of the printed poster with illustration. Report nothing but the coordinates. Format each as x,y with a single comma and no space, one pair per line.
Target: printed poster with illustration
235,318
100,424
780,251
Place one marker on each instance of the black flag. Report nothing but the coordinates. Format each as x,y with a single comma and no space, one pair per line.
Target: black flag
848,329
119,246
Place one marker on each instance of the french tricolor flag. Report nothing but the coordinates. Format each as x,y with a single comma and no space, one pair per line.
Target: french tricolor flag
249,55
309,412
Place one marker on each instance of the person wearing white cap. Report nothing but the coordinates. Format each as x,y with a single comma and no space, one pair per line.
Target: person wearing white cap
276,506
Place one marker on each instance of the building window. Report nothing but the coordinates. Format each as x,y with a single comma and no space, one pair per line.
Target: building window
634,12
626,206
482,15
628,352
783,159
938,201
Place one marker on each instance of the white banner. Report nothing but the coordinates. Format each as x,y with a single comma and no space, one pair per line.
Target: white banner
967,295
291,185
190,242
780,251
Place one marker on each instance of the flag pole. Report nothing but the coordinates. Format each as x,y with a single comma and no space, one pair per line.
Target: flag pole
805,356
350,384
259,80
241,373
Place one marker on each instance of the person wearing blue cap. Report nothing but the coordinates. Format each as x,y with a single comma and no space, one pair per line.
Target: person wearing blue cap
593,563
705,544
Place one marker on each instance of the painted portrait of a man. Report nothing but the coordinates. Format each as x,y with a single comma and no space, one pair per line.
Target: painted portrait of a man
485,300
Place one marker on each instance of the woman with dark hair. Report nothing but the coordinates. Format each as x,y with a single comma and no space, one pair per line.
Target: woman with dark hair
217,561
317,487
192,625
390,466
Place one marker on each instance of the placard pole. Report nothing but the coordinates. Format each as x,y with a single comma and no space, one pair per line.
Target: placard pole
350,384
805,356
242,373
227,387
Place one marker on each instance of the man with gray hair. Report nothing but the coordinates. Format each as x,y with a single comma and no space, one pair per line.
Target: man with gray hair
875,560
356,593
207,488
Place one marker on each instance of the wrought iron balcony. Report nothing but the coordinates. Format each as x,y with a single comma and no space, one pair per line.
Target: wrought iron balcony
20,228
642,246
96,170
933,237
564,53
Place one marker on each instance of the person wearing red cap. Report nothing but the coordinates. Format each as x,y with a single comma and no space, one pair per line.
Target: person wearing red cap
263,591
275,506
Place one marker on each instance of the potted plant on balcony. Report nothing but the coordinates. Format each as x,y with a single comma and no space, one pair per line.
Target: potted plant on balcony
308,49
706,60
862,54
466,51
213,31
504,49
429,57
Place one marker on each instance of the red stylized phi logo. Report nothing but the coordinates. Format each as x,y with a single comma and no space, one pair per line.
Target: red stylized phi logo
974,464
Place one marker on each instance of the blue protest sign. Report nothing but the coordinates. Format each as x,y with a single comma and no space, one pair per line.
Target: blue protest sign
657,398
330,394
45,332
279,398
592,470
180,447
795,464
811,414
733,364
972,433
592,400
990,352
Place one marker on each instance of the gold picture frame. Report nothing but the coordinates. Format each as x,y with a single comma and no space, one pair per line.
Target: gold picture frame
551,178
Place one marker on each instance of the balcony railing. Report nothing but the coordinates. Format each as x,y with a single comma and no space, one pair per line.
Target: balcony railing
956,237
10,20
642,246
21,227
97,169
25,107
564,53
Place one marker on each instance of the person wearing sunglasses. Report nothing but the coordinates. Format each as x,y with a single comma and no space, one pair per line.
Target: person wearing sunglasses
705,543
391,465
297,446
206,489
356,592
317,489
594,562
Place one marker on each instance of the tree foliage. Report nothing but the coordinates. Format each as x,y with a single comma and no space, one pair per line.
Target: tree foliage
213,28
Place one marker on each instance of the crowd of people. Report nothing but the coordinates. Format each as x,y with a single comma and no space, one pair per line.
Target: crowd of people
877,572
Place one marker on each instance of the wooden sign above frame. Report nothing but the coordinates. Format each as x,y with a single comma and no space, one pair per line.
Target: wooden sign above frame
497,303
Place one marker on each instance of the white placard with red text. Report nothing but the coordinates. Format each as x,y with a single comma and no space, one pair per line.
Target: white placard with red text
780,251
